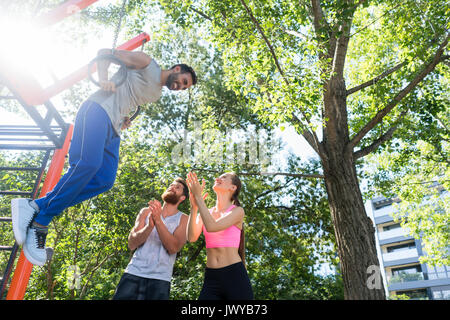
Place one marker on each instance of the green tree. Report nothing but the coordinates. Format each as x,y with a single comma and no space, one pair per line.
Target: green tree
416,172
288,223
344,73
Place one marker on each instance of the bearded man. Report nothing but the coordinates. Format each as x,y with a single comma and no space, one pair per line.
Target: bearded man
158,234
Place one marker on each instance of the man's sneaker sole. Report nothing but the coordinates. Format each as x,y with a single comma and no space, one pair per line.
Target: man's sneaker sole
31,259
34,247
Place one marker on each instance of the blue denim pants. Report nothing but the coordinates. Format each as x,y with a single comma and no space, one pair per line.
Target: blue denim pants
132,287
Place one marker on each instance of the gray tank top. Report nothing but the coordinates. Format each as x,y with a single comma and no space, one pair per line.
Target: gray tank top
141,86
151,260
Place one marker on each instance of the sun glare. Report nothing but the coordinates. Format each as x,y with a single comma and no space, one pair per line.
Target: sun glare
43,53
26,48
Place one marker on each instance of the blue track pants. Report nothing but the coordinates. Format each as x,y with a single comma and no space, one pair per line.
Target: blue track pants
93,159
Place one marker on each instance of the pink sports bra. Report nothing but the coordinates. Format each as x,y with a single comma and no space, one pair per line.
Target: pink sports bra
230,237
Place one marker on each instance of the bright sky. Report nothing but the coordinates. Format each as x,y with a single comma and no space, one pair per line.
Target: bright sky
49,52
44,51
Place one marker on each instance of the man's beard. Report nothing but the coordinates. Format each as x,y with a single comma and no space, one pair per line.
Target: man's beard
170,197
171,80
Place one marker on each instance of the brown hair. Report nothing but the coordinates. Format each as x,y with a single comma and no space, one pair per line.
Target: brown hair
184,68
185,188
235,200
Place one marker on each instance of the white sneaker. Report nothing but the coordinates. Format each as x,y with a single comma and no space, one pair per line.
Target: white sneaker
22,216
34,246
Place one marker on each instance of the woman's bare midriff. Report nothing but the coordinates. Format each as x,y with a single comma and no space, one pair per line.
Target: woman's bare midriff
221,257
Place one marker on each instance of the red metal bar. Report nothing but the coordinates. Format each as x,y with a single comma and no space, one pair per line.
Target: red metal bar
82,73
66,9
33,94
23,269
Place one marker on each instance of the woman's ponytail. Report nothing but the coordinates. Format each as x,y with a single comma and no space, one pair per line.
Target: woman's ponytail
235,200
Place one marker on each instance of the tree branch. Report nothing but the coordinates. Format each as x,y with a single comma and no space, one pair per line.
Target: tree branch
269,45
265,193
417,79
319,20
309,137
342,42
385,137
376,79
294,175
324,33
200,13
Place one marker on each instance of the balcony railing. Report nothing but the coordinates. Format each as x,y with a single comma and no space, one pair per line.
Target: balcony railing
399,232
401,254
406,277
388,210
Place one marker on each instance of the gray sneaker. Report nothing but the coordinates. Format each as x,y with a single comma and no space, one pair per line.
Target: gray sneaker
34,246
22,216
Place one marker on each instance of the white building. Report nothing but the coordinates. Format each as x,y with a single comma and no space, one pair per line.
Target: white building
398,254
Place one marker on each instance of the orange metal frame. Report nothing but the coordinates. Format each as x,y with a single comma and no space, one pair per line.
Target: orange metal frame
64,10
31,91
33,94
23,269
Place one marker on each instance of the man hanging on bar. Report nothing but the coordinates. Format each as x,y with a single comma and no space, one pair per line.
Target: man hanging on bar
94,150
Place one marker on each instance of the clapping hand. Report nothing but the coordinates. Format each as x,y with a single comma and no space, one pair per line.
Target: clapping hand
156,208
194,188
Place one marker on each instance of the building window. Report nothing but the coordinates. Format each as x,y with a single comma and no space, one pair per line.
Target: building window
418,294
410,269
405,274
438,272
441,293
401,247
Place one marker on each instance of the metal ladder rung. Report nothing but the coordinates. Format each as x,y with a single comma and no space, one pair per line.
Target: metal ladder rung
5,219
16,193
20,168
26,147
6,248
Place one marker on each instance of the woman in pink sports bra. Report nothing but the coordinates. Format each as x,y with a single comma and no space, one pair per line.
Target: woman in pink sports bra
226,277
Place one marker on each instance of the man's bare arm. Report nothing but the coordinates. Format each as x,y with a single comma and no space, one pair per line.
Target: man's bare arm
132,59
141,230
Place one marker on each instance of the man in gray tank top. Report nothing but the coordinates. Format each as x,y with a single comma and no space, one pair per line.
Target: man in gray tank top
158,234
94,150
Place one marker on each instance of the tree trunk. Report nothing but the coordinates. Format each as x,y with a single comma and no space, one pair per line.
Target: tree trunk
354,230
355,233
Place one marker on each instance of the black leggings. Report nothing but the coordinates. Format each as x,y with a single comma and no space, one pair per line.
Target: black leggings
227,283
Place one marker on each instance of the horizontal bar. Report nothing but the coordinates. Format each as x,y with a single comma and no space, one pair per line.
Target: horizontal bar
68,8
24,139
25,133
6,248
29,126
16,193
82,73
30,91
25,147
20,169
5,219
